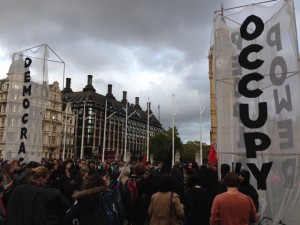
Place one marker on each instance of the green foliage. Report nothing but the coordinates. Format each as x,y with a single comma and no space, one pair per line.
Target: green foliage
193,147
161,143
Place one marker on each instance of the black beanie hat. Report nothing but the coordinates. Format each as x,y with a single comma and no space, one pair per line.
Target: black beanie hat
245,174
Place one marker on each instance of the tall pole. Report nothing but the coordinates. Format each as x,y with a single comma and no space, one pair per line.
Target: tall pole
82,133
173,135
65,133
201,151
148,125
126,121
104,134
125,147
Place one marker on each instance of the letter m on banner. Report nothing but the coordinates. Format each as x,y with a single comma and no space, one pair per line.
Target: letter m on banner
257,89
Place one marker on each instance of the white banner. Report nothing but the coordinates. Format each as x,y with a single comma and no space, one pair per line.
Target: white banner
27,102
257,89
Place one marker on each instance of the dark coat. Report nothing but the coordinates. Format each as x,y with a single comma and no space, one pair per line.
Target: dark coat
56,206
247,189
84,207
199,204
26,206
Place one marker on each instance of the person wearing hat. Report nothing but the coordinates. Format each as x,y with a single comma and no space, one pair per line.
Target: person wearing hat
247,189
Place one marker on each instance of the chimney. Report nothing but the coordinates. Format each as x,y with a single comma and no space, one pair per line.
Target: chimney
68,82
124,100
89,86
90,80
149,105
137,104
109,92
68,86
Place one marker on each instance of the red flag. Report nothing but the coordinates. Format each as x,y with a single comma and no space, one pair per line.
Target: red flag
212,157
144,160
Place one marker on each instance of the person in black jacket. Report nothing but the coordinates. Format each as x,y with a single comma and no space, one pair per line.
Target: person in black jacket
26,205
56,206
86,200
199,201
247,189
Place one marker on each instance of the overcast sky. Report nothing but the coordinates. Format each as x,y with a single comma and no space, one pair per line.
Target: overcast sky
150,48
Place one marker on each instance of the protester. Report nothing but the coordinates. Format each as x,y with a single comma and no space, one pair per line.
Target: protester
27,202
232,207
86,200
247,189
199,201
165,207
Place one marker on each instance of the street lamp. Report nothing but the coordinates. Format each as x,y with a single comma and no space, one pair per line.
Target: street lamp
65,130
173,133
148,127
201,151
104,134
126,120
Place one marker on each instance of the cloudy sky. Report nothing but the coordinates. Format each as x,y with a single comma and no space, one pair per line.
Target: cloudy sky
152,49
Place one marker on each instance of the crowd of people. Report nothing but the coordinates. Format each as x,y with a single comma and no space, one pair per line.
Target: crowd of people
56,192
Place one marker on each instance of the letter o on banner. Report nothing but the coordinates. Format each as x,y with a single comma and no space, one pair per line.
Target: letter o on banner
259,27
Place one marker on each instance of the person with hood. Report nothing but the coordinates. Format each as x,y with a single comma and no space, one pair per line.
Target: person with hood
86,200
247,189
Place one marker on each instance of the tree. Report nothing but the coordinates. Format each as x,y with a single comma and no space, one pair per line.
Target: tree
191,148
161,143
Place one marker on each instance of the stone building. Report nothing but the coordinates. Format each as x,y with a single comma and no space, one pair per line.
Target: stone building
73,123
92,121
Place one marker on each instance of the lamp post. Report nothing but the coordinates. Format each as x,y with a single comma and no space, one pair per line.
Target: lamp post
201,151
126,121
173,133
104,134
65,131
148,127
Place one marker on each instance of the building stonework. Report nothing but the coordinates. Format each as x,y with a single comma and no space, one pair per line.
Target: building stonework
73,117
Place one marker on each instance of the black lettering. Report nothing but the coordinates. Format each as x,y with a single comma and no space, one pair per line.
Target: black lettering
27,77
22,148
261,119
24,118
23,133
27,90
251,143
259,27
261,176
28,62
244,90
26,103
243,57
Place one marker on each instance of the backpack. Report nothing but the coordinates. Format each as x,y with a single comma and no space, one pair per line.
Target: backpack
107,210
131,196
